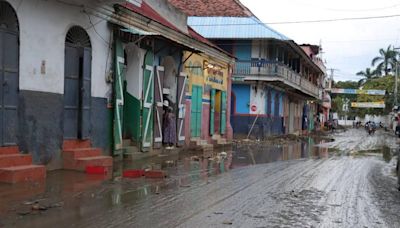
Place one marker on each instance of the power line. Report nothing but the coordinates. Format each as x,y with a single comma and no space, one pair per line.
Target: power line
362,10
303,22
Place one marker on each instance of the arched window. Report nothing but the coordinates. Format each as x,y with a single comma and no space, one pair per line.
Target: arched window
77,36
8,17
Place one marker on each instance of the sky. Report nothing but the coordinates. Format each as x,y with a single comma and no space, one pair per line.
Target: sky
348,46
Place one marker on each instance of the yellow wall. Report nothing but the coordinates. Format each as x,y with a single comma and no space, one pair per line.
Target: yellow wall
200,74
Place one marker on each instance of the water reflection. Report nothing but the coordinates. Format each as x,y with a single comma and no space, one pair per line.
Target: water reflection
252,154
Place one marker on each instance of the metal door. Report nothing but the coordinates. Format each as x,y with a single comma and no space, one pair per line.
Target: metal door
85,95
71,92
158,111
212,111
77,84
182,80
9,70
223,113
195,120
148,91
118,94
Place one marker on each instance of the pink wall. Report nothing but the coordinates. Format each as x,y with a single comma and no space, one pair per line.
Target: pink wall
205,122
187,121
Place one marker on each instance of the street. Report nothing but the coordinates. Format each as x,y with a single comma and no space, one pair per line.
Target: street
352,186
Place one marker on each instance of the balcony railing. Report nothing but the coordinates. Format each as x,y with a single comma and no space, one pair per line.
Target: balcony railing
273,69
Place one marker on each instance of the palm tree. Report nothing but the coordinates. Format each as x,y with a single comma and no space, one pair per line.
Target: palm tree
367,74
386,61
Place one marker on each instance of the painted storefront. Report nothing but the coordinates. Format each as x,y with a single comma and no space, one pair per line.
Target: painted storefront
207,98
148,82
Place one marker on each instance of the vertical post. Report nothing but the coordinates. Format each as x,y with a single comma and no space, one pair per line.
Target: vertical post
395,85
395,78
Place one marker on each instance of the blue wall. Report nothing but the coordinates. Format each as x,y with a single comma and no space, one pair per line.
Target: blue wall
242,93
242,49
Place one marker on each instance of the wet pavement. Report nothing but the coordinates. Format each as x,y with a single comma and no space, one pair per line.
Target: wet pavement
348,182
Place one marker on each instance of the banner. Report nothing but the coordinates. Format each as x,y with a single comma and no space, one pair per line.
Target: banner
359,91
378,104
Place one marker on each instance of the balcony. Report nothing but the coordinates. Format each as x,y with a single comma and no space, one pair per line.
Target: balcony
273,71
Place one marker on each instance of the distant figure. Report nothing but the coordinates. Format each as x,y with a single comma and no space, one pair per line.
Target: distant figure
169,131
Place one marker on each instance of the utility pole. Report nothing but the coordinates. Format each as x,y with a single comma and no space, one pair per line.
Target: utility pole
395,78
332,70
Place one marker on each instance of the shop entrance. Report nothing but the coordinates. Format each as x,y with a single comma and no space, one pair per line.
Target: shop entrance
217,112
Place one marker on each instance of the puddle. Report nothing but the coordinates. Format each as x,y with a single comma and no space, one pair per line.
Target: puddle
186,170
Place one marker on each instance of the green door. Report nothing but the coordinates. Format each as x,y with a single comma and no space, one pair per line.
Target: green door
223,113
119,94
195,122
148,93
212,111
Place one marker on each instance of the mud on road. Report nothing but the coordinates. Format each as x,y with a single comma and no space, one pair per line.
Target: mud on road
313,190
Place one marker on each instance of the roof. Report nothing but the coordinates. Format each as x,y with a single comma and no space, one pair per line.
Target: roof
147,11
233,8
233,28
314,48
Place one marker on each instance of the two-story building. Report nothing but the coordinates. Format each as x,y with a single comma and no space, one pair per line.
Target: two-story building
273,78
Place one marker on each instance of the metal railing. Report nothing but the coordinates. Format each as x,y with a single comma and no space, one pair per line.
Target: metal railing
273,69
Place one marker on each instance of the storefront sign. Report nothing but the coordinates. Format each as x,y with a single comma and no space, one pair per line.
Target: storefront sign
378,104
359,91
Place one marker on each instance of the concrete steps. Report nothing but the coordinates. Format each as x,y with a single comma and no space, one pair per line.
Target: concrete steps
78,154
23,173
17,168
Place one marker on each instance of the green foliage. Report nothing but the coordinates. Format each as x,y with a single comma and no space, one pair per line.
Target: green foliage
385,61
346,85
382,83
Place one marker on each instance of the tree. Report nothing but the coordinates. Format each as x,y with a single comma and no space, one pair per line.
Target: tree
346,85
385,61
367,74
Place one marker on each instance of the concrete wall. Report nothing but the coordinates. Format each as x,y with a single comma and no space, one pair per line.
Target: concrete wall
43,29
242,49
169,12
242,98
257,99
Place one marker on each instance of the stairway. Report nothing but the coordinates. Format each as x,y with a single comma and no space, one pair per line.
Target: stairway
17,168
78,154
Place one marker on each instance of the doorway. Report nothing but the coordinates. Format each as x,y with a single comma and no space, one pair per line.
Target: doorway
77,84
197,101
9,74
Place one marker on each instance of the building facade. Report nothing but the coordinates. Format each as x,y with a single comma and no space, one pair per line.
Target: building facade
93,74
207,100
274,80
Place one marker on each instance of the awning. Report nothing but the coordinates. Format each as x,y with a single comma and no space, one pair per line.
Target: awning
137,31
142,33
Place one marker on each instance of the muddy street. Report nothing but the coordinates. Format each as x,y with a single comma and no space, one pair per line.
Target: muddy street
348,182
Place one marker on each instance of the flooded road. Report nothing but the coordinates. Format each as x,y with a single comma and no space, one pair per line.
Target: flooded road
255,185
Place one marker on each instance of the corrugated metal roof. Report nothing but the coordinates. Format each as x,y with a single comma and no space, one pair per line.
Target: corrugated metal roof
233,28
